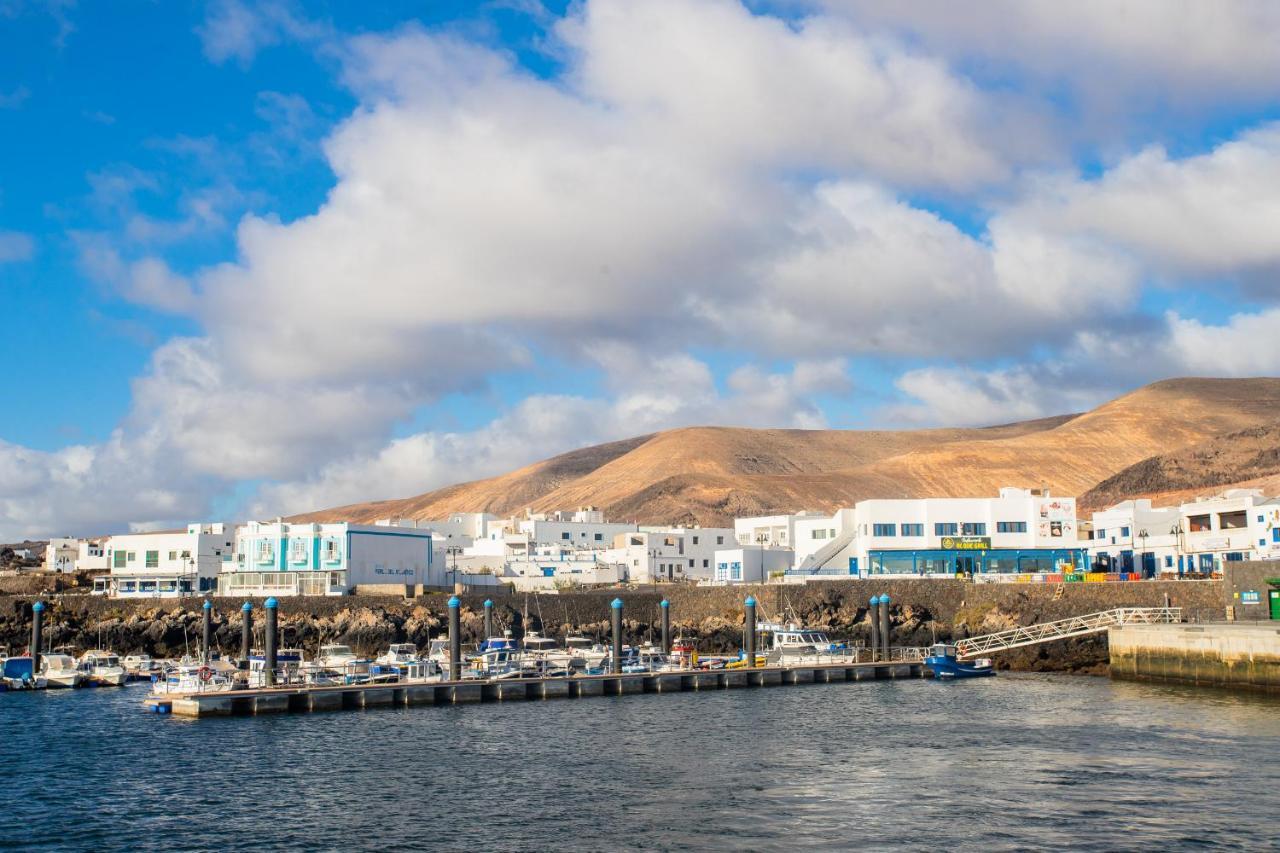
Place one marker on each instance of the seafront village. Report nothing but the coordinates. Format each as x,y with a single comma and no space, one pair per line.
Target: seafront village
1019,535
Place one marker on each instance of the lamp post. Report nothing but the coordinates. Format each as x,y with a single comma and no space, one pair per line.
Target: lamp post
1176,532
1142,534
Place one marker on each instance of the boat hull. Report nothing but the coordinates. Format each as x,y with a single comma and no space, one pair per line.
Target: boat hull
950,668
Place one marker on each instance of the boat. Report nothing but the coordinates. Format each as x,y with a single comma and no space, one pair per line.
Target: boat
792,641
289,667
18,673
61,670
102,669
192,676
341,659
399,653
591,653
548,654
943,662
140,667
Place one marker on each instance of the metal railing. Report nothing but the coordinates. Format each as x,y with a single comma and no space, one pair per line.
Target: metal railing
1076,626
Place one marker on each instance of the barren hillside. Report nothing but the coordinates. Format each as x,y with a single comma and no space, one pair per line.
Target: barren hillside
708,475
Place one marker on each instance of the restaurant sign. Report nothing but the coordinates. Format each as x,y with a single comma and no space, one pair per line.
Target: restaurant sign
966,543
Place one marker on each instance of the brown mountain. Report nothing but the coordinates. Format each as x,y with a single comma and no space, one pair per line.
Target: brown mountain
708,475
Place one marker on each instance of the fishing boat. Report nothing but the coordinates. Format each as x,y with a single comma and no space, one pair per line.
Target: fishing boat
18,673
102,669
61,670
943,662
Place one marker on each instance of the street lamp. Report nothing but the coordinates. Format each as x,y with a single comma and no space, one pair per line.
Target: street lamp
1176,532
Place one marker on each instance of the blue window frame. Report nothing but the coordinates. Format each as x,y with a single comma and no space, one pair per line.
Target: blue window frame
565,535
1235,557
913,530
1011,527
884,530
1124,532
1206,562
975,528
1275,534
951,528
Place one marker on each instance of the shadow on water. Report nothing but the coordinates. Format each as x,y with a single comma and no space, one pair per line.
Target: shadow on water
1008,763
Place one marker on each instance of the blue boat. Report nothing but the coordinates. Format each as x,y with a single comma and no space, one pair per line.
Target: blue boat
944,664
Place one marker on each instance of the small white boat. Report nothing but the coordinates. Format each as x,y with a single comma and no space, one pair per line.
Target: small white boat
18,673
548,655
102,669
341,659
140,667
195,677
399,653
289,667
588,651
61,670
791,641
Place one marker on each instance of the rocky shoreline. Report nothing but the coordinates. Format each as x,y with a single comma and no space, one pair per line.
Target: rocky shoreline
922,611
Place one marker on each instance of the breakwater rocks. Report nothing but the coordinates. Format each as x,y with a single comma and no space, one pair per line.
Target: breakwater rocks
921,611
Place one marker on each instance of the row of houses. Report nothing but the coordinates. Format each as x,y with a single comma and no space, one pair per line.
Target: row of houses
1017,532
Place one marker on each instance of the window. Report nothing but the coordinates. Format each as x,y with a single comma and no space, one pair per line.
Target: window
884,530
719,540
706,563
1100,534
695,540
1124,533
975,528
117,559
691,564
173,555
133,556
945,529
599,537
1260,519
1199,524
818,534
1235,557
298,550
913,530
1168,562
266,553
153,559
565,536
1011,527
735,571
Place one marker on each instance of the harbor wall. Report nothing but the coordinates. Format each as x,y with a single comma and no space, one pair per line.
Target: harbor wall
1237,655
921,611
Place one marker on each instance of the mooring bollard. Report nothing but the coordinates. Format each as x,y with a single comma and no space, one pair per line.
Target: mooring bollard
488,619
37,635
246,634
666,627
873,613
749,632
455,640
208,629
269,661
617,636
884,627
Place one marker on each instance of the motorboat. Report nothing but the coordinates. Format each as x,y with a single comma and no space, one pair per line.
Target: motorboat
18,673
683,655
548,654
102,669
341,659
195,677
943,661
791,641
399,653
591,653
406,672
61,670
140,667
289,667
498,662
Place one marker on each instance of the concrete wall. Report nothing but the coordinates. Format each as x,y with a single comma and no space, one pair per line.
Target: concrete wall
1240,656
1240,579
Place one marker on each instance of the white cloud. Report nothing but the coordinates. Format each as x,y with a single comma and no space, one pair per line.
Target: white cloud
236,30
16,246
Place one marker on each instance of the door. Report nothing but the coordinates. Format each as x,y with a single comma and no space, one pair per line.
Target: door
964,565
1274,596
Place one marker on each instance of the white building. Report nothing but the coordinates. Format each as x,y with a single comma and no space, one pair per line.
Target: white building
553,567
281,558
1135,537
1240,524
771,531
167,564
60,555
751,563
663,555
1020,531
91,555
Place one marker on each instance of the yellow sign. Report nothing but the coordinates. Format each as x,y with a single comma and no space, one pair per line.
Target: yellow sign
966,543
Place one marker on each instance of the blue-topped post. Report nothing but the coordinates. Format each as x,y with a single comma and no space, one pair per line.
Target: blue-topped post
616,608
37,635
666,627
884,626
749,632
207,632
455,639
269,643
488,619
873,616
246,633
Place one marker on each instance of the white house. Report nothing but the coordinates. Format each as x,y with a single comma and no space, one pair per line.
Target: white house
167,564
1019,531
1240,524
751,563
282,558
659,554
554,567
91,555
1134,536
60,554
772,531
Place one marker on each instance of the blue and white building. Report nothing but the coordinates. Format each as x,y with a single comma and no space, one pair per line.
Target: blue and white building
167,563
283,558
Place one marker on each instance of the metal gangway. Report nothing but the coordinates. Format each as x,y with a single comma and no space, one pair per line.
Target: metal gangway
1076,626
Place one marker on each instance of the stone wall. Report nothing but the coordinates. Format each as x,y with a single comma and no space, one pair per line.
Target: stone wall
921,611
1238,656
1241,578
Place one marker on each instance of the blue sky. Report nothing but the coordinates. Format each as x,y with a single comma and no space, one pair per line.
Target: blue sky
260,258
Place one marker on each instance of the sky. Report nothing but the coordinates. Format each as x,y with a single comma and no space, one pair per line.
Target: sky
262,258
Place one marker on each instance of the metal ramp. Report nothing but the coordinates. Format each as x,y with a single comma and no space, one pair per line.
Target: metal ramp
1076,626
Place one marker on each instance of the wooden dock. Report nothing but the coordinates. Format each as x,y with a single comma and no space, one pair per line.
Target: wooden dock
302,698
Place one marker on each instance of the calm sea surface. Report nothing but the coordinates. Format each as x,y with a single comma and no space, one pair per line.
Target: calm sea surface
1009,763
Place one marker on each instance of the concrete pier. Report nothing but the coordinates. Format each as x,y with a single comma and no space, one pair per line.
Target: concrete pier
299,698
1225,655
